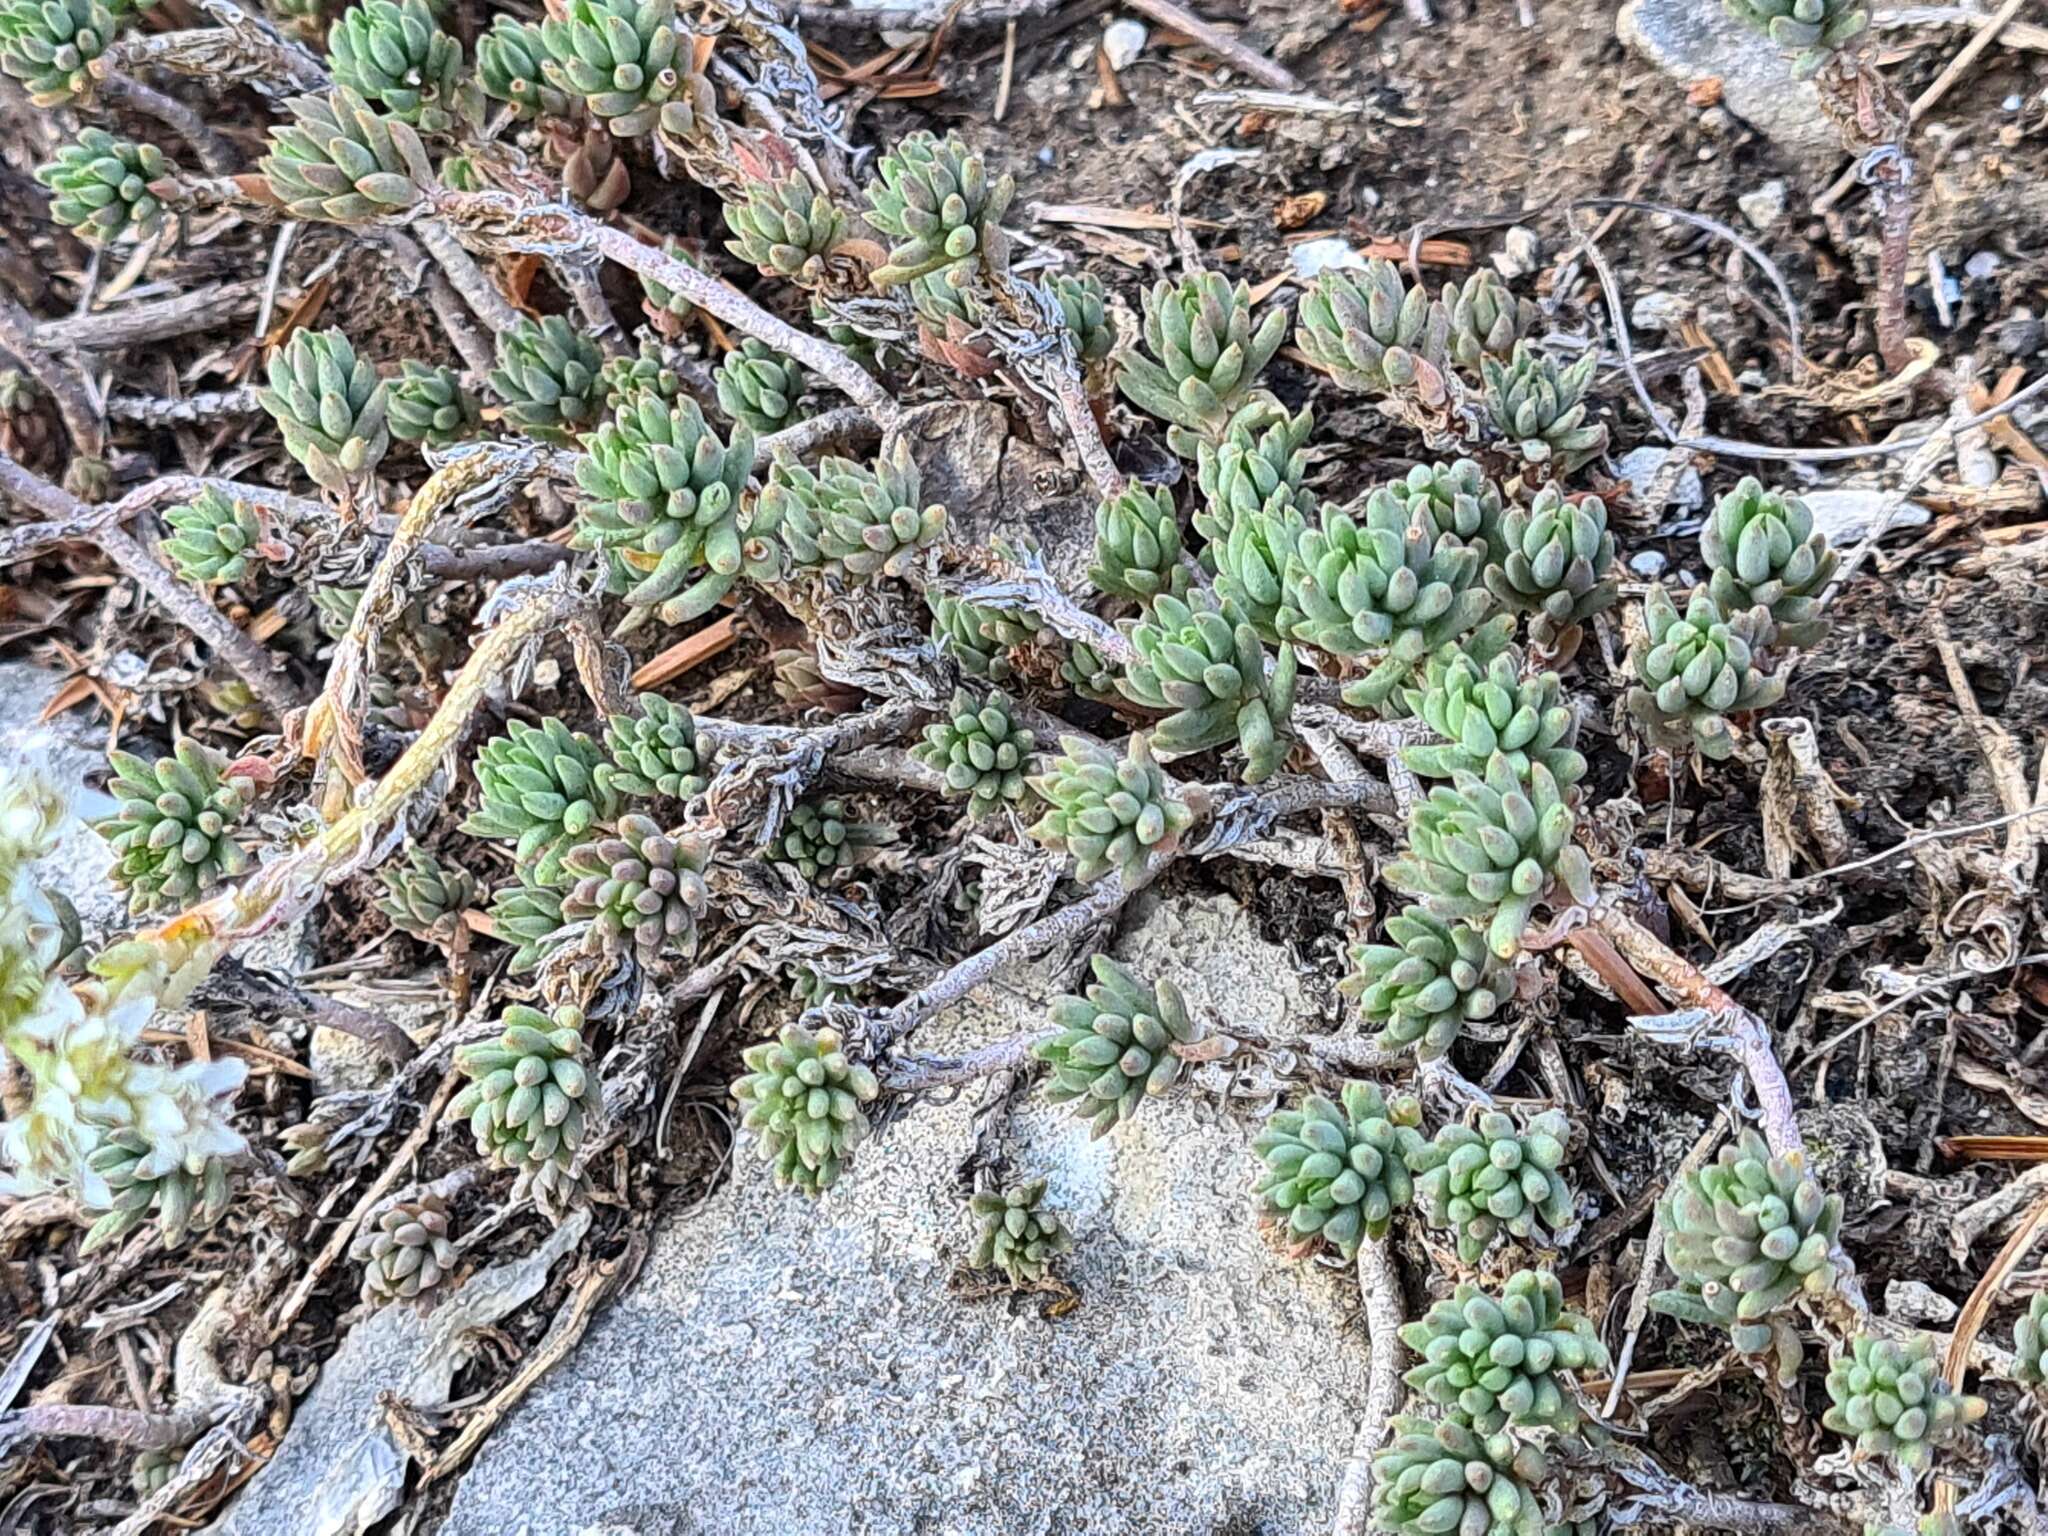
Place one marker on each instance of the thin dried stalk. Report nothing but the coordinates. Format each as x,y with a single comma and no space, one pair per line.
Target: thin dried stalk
1379,1287
66,384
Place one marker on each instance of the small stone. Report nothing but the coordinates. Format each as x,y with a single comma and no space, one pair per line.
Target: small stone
1765,206
1639,467
1518,254
1692,41
1648,563
1846,513
2019,334
2013,103
1333,252
1983,265
1916,1303
1122,41
1659,311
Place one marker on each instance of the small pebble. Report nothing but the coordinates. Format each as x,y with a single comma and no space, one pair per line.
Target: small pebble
2013,103
1122,41
1648,563
1518,254
1983,264
1659,311
1765,206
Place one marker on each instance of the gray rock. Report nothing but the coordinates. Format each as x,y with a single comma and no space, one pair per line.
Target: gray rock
1648,563
1639,467
1846,513
1765,206
1659,311
790,1366
995,486
1692,40
69,750
1519,253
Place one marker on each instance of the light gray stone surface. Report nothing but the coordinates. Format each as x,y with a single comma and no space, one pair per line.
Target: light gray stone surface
790,1367
1692,40
69,749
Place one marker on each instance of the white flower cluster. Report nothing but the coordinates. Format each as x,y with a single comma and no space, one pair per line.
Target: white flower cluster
90,1110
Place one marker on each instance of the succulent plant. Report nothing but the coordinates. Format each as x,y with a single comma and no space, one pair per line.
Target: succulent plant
637,886
821,840
509,66
2030,1343
802,1098
785,227
1540,407
395,53
1251,564
341,161
1455,498
655,750
1208,357
1372,333
1491,848
1811,30
1480,1181
978,639
185,1196
1257,459
981,750
423,896
1762,550
101,187
1426,983
624,58
1014,1232
1554,561
1494,1362
1115,1045
1388,584
427,404
1204,663
154,1469
330,405
1693,671
528,916
173,835
549,376
759,387
1442,1475
1745,1236
406,1252
543,788
1083,312
1109,815
524,1102
665,496
1336,1173
1137,544
1481,708
48,45
1486,320
1889,1397
1083,669
216,539
949,310
625,378
851,521
935,199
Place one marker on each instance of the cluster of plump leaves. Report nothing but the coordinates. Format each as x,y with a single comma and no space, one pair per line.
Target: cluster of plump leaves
102,188
979,639
1890,1398
172,835
1441,1476
1110,815
49,45
1762,551
1262,455
1336,1173
981,750
1493,1362
1541,407
2030,1343
1084,313
666,500
543,788
341,161
525,1099
549,375
1812,31
1372,333
216,539
1745,1237
1014,1232
1115,1044
186,1196
509,68
406,1252
1137,544
935,199
851,520
801,1098
424,897
1553,561
1695,669
330,405
655,750
394,53
1204,663
1486,320
1205,357
626,60
637,888
1480,708
427,404
527,915
758,387
1426,983
1492,848
821,840
785,226
1494,1176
